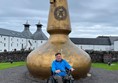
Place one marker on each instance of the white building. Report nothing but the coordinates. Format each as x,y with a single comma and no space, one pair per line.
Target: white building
13,40
101,43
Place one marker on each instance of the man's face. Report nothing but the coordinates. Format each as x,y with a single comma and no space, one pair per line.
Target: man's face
58,57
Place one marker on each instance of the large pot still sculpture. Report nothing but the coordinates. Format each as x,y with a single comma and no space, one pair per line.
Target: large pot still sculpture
39,61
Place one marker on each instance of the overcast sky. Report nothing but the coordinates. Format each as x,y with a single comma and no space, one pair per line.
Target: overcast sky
89,18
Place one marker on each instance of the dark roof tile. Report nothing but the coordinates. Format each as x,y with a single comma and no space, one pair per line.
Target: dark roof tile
11,33
91,41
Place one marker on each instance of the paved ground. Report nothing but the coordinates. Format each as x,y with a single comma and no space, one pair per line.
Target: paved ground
20,75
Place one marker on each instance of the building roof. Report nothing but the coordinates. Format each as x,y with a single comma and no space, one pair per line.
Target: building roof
116,40
26,31
91,41
27,34
39,35
11,33
111,38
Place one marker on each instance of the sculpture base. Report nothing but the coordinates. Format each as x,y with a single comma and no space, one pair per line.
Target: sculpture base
21,75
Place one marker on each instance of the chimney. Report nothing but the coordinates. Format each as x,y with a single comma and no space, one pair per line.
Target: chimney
26,26
26,31
39,26
39,35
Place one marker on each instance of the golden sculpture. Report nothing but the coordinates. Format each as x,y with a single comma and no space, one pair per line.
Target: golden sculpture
39,61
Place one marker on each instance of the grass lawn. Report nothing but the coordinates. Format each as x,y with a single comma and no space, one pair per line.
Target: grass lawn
9,65
114,66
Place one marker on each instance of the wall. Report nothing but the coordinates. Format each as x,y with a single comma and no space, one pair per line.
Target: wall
14,43
17,43
1,44
11,43
38,43
96,56
4,45
116,46
95,47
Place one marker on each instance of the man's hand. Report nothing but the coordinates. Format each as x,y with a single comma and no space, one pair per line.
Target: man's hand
72,69
57,71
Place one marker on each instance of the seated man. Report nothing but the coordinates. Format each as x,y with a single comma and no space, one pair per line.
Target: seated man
59,67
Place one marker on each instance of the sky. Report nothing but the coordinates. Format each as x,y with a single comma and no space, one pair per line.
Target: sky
89,18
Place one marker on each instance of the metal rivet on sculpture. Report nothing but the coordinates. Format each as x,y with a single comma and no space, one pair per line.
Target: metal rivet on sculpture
39,61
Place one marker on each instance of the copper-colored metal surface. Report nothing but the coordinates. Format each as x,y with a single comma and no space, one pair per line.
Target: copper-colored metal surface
39,61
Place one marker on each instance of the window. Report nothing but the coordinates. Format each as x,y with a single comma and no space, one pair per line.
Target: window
22,46
17,44
11,44
17,39
11,39
4,44
4,38
41,41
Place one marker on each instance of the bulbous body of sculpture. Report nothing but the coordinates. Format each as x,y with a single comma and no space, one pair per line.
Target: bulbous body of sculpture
39,61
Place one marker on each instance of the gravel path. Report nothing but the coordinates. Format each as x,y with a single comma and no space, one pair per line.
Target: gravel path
20,75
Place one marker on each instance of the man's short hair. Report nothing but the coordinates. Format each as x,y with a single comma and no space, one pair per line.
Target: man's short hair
57,54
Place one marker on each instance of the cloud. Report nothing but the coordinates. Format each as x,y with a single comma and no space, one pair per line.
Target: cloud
89,18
